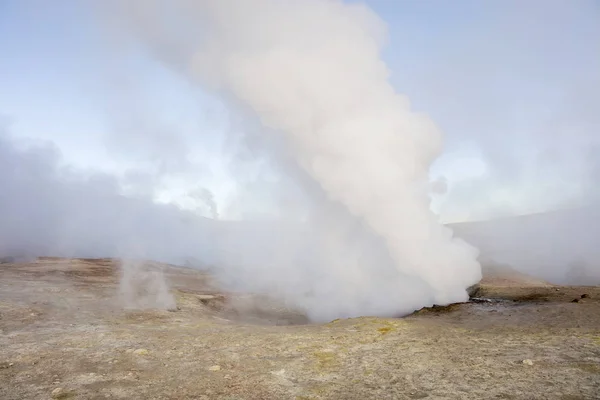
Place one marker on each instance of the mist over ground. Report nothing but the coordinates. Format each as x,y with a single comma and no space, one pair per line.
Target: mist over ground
47,209
560,247
343,164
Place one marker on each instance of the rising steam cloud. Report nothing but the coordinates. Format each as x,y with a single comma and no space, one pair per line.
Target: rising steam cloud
311,73
331,191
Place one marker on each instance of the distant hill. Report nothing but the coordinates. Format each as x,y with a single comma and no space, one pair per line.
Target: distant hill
559,246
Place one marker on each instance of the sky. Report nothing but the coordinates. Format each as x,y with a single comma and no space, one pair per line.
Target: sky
512,85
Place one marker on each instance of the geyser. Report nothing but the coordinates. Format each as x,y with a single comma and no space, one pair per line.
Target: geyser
310,72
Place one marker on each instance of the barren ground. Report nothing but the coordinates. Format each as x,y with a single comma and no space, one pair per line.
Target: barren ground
63,334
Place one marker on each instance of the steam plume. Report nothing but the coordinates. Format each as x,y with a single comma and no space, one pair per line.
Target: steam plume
311,73
207,199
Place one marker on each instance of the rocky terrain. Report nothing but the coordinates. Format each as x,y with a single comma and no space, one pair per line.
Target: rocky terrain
68,331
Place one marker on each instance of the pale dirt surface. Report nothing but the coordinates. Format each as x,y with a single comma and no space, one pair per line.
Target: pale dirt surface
64,334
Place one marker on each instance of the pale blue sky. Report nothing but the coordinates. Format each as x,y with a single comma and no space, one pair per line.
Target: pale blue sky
504,80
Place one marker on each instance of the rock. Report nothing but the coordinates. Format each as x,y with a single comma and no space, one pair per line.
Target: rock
58,393
472,290
585,296
527,362
215,368
141,352
215,301
418,395
479,300
575,301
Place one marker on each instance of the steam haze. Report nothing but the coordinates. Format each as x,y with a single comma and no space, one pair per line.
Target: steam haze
312,176
311,73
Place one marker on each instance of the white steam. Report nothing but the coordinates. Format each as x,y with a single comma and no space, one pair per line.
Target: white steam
311,72
206,200
143,286
46,209
330,165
